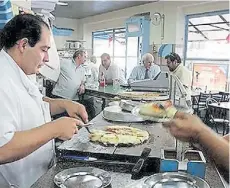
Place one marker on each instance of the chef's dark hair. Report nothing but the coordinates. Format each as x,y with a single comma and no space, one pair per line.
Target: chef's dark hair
22,26
173,56
78,52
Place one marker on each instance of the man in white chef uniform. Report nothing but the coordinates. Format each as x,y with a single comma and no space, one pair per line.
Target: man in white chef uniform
26,129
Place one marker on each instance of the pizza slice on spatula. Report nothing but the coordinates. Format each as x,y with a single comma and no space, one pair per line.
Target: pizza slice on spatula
158,110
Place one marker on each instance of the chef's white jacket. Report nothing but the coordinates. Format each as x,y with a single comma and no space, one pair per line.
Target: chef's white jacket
22,108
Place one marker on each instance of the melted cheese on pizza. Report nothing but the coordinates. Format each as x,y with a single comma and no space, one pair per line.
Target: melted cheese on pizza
115,135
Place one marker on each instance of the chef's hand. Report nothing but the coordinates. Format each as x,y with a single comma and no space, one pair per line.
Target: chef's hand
185,127
75,109
66,127
81,89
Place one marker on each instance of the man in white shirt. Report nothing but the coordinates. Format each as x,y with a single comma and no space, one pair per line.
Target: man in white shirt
148,70
71,81
181,72
26,129
110,70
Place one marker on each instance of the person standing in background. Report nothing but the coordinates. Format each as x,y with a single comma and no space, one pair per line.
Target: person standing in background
93,77
71,81
176,68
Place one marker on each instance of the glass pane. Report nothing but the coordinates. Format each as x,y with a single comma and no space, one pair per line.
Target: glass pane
226,16
132,46
214,76
119,44
120,61
131,63
225,26
191,28
208,49
205,19
205,27
103,44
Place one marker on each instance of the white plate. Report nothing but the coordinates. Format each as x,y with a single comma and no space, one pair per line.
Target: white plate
136,112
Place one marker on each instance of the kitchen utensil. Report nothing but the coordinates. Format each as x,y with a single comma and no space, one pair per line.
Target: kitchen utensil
138,166
82,177
175,180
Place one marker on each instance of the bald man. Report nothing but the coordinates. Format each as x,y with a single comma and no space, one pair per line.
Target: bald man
148,70
110,70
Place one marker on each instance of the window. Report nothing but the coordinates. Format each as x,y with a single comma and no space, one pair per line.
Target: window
207,45
112,42
207,37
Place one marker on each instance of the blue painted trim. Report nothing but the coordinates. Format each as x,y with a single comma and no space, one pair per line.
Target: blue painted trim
6,6
4,21
6,11
6,16
185,39
134,21
213,13
2,3
62,31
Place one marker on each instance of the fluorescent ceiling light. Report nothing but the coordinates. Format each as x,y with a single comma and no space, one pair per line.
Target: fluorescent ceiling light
62,3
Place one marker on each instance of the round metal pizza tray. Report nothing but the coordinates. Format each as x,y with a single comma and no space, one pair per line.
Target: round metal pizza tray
128,105
174,180
115,113
82,177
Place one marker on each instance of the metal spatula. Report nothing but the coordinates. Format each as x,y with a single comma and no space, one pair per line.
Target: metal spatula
86,126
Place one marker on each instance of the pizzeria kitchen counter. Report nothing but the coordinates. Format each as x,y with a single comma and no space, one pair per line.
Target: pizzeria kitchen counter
120,173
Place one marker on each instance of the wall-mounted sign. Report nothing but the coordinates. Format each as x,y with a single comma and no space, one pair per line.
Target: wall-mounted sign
214,76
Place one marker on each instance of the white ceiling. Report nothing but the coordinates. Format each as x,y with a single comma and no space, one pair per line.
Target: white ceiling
82,9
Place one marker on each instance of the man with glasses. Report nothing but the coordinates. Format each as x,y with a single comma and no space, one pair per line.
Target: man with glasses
183,74
148,70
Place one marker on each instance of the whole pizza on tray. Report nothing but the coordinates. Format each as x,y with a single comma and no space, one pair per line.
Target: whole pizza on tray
119,136
139,95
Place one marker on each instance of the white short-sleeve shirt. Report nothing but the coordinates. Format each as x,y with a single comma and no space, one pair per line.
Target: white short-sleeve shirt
22,108
113,72
70,79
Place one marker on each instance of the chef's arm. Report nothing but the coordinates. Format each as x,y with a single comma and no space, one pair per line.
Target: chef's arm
25,142
57,106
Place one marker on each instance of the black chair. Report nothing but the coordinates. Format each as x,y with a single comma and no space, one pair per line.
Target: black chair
224,96
216,117
201,106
